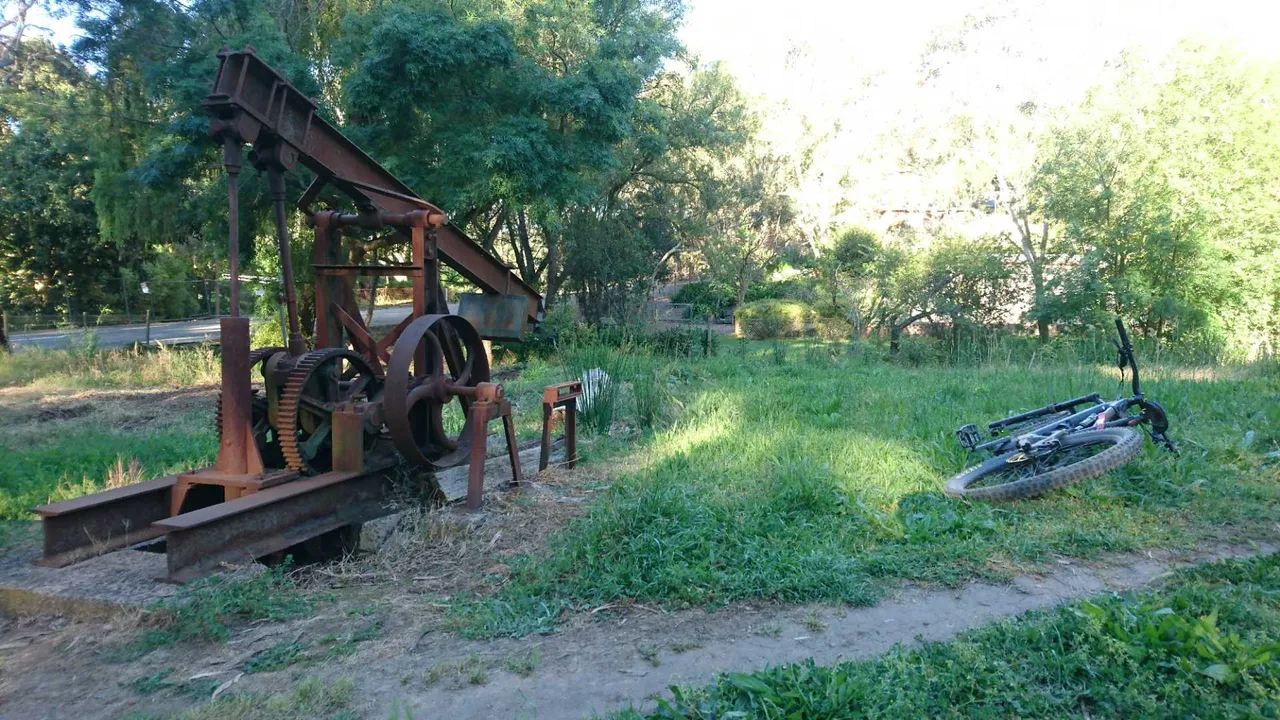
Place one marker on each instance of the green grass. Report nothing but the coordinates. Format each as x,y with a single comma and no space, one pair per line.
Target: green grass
206,609
57,466
1204,645
46,457
794,480
311,700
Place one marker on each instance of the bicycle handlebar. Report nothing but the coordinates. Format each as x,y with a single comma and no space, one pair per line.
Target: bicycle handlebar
1127,349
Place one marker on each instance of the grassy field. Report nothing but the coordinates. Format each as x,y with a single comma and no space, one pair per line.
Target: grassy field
797,473
792,472
1201,646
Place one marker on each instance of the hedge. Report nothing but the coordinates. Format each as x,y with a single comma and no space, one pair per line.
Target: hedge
769,319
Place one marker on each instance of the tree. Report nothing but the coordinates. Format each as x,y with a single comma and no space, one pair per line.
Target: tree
51,254
1163,184
752,223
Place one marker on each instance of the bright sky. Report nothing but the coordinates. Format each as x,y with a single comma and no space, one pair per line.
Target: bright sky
851,69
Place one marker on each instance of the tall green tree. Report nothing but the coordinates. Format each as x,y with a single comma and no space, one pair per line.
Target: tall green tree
1164,184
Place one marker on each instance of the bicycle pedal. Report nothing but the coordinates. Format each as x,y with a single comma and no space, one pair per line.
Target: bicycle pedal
969,437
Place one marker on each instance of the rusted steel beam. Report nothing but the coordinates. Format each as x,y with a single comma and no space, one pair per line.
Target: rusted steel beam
405,270
253,97
271,520
96,524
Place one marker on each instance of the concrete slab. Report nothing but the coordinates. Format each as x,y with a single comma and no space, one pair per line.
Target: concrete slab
97,587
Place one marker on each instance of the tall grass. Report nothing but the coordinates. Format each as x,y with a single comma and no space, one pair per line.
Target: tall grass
84,365
811,481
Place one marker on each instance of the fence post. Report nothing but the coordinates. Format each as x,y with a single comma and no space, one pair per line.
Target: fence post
148,341
4,330
84,320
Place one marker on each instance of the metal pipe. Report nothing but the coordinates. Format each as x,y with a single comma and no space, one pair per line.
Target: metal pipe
275,180
231,159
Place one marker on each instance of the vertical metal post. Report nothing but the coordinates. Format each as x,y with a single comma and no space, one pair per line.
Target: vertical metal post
571,432
232,162
238,451
348,439
275,181
479,421
513,450
544,453
124,292
148,340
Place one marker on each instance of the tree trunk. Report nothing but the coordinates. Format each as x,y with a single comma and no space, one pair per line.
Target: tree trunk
553,266
373,300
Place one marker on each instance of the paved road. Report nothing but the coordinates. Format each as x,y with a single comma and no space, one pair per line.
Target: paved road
172,333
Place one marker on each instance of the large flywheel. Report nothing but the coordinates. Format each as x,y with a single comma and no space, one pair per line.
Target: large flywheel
319,382
434,358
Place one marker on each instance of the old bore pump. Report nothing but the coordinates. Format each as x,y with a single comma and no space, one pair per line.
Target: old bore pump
307,456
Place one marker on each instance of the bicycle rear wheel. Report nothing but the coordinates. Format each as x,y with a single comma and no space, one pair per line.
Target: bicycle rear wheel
1082,456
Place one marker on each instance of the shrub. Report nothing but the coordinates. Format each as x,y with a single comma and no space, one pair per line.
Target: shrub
796,287
680,342
833,328
707,298
770,319
917,351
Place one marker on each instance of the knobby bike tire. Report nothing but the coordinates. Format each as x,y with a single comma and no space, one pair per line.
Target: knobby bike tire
1125,445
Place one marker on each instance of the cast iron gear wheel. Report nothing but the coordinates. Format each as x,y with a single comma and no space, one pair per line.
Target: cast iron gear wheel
317,384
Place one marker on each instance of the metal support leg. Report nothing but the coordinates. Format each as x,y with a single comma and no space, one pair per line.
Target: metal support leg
571,433
544,453
513,451
479,420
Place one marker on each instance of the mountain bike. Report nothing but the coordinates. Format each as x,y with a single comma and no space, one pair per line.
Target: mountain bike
1063,443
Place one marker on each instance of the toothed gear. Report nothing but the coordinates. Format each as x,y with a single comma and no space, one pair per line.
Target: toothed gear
358,382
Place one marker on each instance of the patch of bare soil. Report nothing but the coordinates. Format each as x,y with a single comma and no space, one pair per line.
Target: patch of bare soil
42,411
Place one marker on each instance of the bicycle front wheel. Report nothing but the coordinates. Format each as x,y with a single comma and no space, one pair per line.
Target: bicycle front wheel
1082,456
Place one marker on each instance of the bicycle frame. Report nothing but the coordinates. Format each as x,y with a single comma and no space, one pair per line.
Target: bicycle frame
1098,414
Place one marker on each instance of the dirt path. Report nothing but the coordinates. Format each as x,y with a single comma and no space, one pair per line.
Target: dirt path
607,664
602,662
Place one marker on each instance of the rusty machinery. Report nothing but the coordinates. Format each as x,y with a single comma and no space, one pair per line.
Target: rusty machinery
306,458
562,396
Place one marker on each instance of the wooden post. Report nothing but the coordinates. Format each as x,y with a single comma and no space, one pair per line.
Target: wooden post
545,451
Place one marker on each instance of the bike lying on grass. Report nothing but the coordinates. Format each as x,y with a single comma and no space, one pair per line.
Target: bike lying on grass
1060,444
